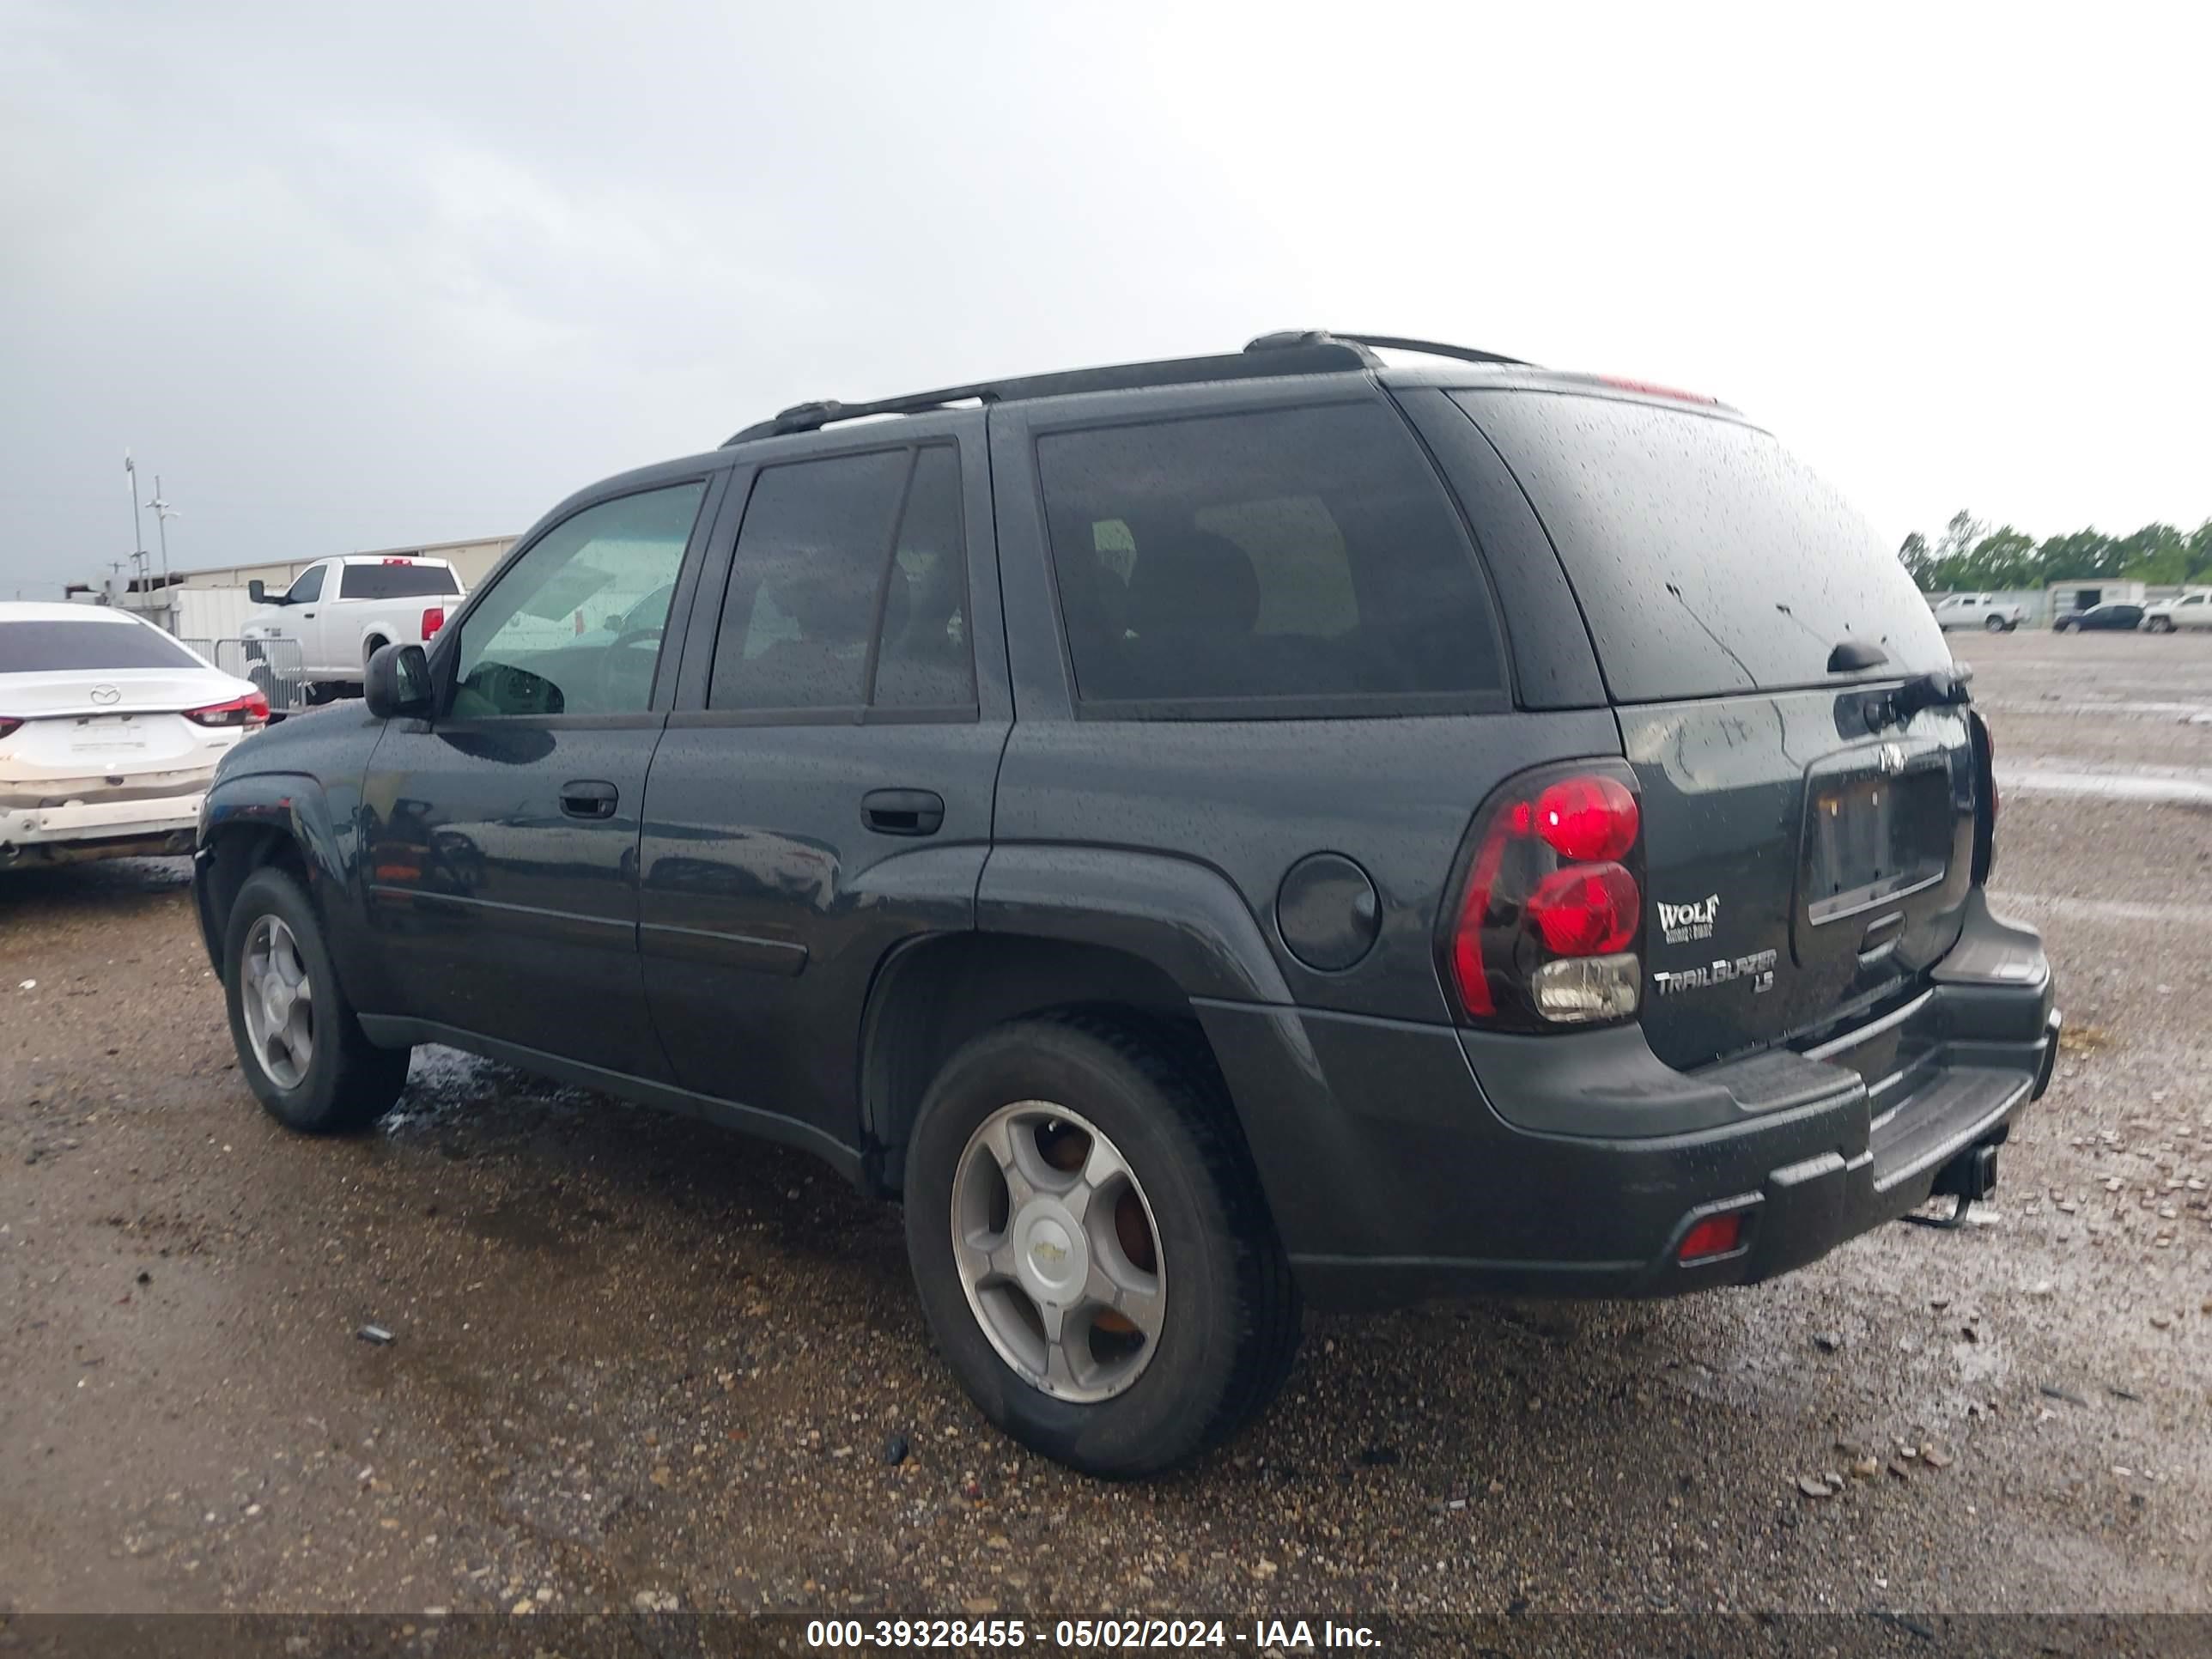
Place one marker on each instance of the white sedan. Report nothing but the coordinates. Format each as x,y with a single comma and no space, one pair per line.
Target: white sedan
110,731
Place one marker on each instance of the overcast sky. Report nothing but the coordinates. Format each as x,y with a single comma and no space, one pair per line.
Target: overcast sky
353,277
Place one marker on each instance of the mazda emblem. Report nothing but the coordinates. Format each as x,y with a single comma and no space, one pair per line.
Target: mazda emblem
106,693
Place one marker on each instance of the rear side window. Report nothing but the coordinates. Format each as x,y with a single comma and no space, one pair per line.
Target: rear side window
49,647
1278,557
1706,558
396,581
848,567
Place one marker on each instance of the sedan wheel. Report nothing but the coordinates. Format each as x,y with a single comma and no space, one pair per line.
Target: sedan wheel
278,1002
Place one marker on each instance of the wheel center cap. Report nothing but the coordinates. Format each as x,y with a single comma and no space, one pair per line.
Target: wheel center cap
1055,1259
273,1002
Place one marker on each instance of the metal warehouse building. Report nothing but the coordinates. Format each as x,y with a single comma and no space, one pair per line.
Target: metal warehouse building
473,559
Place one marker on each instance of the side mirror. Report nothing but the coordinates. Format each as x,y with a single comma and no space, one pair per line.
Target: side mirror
257,590
397,682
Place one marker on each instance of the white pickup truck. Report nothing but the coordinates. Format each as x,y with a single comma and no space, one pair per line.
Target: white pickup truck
341,610
1983,611
2170,616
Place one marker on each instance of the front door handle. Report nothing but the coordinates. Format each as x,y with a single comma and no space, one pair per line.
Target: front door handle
589,797
902,812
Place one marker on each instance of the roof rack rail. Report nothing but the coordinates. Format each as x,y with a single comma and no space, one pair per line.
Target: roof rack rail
813,416
1289,337
1292,352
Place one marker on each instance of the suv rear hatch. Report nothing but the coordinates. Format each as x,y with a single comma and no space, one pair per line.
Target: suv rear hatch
1808,855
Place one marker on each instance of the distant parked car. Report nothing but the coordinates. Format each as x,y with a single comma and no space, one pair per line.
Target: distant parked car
1983,610
2125,618
2190,610
110,731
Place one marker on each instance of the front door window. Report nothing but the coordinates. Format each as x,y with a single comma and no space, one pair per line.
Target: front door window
539,643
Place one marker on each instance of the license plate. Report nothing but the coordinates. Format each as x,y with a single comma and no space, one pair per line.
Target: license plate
116,737
1873,839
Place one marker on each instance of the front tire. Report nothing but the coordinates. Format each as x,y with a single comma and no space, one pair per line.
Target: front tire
1994,625
299,1043
1090,1246
2161,624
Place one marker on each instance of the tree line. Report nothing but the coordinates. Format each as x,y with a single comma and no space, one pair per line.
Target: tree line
1970,557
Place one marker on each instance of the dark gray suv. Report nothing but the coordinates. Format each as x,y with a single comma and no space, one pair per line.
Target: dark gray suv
1204,835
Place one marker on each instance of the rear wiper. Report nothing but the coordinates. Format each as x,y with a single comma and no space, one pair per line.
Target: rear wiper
1939,688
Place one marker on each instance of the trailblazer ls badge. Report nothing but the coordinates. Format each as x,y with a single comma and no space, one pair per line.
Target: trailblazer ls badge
1686,924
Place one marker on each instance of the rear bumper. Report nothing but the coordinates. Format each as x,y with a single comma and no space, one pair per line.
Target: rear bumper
100,829
1419,1171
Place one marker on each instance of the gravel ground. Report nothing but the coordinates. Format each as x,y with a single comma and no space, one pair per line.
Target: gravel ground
632,1357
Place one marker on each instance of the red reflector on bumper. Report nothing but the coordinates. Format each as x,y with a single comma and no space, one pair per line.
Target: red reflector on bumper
1715,1236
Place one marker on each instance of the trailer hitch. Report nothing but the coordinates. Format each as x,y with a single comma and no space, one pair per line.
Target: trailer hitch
1969,1178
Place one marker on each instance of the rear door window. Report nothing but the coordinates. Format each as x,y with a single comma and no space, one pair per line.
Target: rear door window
396,581
1706,558
848,589
925,660
1277,561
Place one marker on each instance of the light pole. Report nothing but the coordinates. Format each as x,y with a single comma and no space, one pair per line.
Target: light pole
138,525
163,514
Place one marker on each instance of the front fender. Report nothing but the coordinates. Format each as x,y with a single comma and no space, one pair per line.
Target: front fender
291,808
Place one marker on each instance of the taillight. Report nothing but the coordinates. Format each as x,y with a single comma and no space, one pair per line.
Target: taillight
252,709
9,726
1985,798
433,618
1550,909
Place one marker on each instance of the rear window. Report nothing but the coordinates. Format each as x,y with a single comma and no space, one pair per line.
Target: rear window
397,582
46,647
1706,558
1275,558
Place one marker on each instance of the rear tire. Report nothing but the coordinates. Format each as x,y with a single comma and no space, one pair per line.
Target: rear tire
1220,1339
300,1045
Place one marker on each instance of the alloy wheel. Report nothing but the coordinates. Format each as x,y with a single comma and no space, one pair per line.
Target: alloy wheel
278,1001
1058,1251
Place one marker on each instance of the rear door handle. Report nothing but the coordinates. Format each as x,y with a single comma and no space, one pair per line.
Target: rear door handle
589,797
902,812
